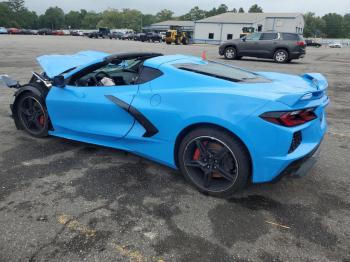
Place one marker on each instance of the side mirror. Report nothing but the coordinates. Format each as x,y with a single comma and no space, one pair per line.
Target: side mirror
59,81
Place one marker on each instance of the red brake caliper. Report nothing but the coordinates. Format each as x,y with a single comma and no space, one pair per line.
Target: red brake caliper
42,120
196,154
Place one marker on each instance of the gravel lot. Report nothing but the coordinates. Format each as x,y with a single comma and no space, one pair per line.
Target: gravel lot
68,201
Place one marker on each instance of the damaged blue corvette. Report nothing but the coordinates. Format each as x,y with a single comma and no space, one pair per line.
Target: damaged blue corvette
222,126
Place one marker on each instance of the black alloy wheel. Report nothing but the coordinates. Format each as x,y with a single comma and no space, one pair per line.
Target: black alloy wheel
214,162
32,115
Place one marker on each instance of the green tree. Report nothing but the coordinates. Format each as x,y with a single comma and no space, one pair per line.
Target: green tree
194,14
314,25
91,20
216,11
148,19
222,9
234,10
132,19
241,10
6,16
346,25
255,9
164,15
16,5
53,18
333,25
73,20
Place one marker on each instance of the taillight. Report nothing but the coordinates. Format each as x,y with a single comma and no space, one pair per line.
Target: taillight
301,43
290,118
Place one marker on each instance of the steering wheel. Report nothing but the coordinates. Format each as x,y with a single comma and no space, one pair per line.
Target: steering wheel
98,77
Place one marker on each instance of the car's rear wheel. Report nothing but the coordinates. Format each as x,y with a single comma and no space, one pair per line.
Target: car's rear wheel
32,114
230,53
215,162
281,56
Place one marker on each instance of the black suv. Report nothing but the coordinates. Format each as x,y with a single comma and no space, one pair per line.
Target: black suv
282,47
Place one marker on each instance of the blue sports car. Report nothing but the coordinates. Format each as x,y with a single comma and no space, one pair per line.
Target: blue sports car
222,126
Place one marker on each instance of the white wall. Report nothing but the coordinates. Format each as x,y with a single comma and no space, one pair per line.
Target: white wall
290,25
202,30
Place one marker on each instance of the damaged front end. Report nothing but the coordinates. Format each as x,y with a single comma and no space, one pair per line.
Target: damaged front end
39,84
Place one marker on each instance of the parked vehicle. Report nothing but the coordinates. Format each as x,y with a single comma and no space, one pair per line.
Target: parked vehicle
140,37
58,32
282,47
13,31
102,32
335,45
115,35
3,30
128,36
310,42
45,31
77,33
25,32
177,36
270,124
153,37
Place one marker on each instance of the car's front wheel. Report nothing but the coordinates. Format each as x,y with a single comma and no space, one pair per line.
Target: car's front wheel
215,162
281,56
32,114
230,53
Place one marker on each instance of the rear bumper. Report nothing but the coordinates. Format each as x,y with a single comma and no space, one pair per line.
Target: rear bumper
300,167
297,54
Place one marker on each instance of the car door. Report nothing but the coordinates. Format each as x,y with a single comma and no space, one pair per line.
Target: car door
85,111
249,44
99,112
267,43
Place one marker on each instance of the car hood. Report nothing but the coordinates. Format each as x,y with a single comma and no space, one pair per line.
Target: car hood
54,65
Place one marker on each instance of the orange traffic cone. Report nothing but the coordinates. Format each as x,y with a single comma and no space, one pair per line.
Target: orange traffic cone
204,55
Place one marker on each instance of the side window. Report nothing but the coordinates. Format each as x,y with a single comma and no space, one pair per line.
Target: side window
290,37
253,37
229,36
268,36
211,36
148,74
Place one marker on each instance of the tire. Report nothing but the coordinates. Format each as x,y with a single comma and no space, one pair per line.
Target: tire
230,53
184,41
168,43
33,119
281,56
221,170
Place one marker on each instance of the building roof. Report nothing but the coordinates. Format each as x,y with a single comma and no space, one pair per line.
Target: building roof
174,23
244,18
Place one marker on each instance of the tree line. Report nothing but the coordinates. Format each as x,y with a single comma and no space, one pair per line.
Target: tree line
13,13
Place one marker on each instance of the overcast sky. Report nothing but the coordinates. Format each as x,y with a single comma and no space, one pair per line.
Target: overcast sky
320,7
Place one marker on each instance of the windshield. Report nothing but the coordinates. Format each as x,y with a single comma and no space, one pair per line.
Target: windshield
219,70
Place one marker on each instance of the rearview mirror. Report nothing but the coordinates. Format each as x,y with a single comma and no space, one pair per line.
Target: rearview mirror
59,81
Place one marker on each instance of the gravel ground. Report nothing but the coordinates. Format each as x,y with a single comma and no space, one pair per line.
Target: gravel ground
68,201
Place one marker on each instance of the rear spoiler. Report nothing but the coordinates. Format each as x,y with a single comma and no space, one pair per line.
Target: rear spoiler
318,81
5,79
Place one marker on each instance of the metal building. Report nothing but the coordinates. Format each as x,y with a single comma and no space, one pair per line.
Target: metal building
227,26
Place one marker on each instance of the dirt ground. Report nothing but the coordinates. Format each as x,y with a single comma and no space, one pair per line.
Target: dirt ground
68,201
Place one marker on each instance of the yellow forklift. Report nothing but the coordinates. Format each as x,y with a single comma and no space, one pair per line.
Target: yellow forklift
177,36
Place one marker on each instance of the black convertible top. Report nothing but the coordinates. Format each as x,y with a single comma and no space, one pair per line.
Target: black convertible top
122,56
